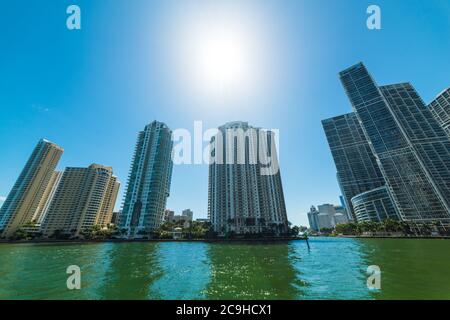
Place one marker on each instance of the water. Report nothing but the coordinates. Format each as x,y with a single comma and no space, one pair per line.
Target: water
333,269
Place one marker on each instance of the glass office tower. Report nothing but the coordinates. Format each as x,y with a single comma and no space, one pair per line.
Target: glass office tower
411,147
357,168
440,108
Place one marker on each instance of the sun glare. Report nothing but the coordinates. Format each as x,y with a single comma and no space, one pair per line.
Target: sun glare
218,53
221,59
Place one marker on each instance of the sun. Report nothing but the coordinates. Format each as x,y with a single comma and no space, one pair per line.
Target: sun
221,59
217,53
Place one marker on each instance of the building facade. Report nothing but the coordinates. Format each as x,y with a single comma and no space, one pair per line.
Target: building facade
84,197
47,198
149,180
25,203
440,108
188,213
357,168
375,205
312,218
245,194
411,148
168,215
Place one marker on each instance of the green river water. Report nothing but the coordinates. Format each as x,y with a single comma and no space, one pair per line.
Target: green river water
333,268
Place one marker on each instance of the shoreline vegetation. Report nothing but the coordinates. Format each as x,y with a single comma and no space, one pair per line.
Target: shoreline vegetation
217,240
386,229
202,232
181,231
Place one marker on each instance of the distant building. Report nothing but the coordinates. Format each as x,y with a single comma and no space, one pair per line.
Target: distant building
115,218
29,196
84,197
313,220
341,215
168,215
186,216
440,108
149,181
202,220
327,216
340,218
188,213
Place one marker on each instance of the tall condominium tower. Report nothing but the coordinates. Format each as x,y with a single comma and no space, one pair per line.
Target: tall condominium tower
84,197
47,197
24,203
440,108
148,182
412,149
245,193
357,168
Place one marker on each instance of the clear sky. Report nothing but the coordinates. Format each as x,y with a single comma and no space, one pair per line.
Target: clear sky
92,90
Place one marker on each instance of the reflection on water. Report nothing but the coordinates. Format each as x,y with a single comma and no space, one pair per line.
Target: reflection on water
186,270
252,271
131,269
332,269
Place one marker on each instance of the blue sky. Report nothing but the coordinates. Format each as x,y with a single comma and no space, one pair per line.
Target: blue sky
92,90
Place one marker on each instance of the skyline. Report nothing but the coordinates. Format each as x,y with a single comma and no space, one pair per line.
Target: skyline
74,80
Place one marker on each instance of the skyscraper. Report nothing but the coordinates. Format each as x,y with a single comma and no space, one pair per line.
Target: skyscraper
357,168
24,203
84,197
148,182
410,146
245,193
440,108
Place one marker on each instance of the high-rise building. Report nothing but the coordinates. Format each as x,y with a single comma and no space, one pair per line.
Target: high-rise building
357,168
188,213
24,204
245,193
148,182
84,197
440,108
412,149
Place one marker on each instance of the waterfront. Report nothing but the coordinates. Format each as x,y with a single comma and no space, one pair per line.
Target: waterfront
334,268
